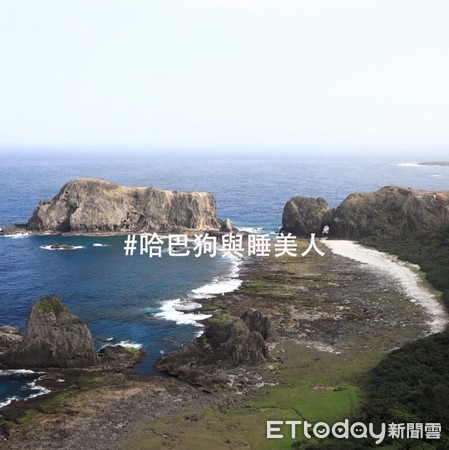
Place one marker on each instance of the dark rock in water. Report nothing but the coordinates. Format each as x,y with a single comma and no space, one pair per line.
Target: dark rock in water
96,205
62,247
256,322
10,337
54,337
227,342
119,356
226,226
305,215
390,211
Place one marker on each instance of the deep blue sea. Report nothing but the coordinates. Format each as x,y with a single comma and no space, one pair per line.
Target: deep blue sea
136,299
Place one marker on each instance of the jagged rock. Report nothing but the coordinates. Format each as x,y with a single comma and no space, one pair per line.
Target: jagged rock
227,342
54,337
391,211
10,337
256,322
244,347
226,226
91,205
305,215
218,330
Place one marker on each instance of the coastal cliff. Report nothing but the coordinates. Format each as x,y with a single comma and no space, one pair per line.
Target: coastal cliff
392,211
94,205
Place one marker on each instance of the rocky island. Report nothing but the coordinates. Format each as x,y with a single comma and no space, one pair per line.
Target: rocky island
92,205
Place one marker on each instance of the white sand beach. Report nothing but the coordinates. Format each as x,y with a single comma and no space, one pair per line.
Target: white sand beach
408,280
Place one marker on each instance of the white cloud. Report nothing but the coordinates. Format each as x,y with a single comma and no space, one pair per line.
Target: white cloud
286,5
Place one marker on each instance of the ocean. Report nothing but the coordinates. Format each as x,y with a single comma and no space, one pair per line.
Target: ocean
145,302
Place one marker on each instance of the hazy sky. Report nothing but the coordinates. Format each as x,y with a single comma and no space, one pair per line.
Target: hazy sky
291,74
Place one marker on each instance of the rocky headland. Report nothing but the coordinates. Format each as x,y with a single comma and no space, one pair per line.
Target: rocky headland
90,205
392,211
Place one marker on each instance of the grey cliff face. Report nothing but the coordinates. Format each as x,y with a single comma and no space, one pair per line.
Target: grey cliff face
54,337
96,205
304,215
392,211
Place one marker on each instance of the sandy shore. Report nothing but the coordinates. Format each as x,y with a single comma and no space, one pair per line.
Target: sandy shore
399,271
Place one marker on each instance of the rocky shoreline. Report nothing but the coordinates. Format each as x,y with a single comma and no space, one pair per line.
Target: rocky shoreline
325,305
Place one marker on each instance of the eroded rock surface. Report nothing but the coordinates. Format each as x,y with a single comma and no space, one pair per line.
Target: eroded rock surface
392,211
96,205
54,337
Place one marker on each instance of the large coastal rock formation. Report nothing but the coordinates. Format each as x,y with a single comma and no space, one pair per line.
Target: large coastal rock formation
392,211
54,337
227,342
96,205
305,215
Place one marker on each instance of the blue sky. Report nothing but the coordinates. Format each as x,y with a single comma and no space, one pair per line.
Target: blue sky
301,75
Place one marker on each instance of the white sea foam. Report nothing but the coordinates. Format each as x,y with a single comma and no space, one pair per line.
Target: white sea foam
220,284
216,287
96,244
32,386
35,387
129,344
175,310
8,401
252,230
16,235
409,164
50,247
15,372
408,280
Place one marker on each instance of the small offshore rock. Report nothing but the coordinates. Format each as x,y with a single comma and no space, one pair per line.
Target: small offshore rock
226,226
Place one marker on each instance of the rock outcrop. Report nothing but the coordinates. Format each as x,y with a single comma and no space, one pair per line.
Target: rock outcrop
10,337
226,226
392,211
95,205
305,215
120,357
227,342
54,337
